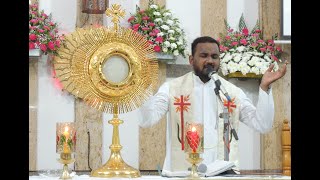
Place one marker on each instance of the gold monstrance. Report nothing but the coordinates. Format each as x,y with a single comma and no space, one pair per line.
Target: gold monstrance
112,69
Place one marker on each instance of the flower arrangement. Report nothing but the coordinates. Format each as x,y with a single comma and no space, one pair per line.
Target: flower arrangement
160,28
246,52
43,32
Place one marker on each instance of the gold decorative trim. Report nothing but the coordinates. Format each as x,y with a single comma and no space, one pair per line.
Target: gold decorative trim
240,75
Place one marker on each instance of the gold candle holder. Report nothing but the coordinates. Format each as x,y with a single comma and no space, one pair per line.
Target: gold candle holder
65,146
194,146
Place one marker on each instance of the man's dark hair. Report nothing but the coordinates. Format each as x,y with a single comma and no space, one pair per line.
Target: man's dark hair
203,39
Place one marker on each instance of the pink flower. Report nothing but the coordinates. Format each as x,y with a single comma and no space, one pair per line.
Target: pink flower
31,45
152,34
156,31
245,31
257,30
274,58
243,41
141,11
159,39
270,48
151,24
278,48
43,47
57,43
145,18
230,30
254,45
228,37
32,37
255,34
51,45
234,43
263,49
270,41
46,27
150,42
157,48
131,18
136,26
145,28
260,41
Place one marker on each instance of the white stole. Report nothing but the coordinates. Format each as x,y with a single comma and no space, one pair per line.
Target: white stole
181,103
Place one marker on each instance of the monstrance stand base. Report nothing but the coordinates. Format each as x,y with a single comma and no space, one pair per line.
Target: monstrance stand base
194,159
115,166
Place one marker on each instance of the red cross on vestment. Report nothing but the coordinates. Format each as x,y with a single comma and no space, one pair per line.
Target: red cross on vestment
229,104
182,106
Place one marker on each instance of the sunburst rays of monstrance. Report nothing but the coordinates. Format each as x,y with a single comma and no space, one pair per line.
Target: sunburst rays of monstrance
83,69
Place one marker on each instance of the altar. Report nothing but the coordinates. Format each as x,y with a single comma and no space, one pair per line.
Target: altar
231,177
154,175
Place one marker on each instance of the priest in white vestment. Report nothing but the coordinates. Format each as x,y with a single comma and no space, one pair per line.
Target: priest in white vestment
196,90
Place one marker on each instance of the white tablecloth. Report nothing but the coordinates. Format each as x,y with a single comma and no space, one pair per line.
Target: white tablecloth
242,177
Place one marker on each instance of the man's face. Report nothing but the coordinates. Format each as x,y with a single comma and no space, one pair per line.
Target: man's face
206,54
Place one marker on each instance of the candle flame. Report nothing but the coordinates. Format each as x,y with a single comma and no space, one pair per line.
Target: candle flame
66,129
193,129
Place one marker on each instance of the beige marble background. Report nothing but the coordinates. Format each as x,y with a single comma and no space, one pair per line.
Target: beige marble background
271,148
213,14
33,108
88,121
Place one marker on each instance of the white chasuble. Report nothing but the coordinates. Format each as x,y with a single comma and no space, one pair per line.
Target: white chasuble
182,106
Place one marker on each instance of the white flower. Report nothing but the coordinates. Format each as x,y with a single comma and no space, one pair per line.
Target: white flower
224,69
244,68
166,14
169,22
164,49
178,30
166,43
176,52
173,45
172,38
156,14
160,34
170,31
240,48
237,57
154,6
165,27
232,67
158,20
255,70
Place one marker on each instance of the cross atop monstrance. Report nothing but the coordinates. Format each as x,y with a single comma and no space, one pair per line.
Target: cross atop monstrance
115,13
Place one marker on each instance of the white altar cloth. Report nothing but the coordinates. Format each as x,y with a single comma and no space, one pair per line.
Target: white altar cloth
233,177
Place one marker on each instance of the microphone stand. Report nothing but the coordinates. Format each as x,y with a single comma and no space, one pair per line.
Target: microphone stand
226,122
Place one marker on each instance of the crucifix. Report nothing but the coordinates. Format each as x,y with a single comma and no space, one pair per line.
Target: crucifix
116,13
182,106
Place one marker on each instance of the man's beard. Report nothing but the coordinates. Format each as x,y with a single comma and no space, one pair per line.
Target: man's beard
203,74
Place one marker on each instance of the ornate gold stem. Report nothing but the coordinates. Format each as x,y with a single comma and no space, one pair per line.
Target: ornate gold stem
65,159
115,166
194,159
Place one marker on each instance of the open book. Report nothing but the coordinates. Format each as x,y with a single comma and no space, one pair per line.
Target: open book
213,169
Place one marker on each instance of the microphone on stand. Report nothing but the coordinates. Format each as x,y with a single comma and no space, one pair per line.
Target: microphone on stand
212,74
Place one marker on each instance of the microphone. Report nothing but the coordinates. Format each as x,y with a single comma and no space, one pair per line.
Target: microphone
212,74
